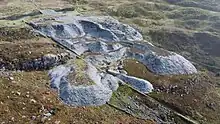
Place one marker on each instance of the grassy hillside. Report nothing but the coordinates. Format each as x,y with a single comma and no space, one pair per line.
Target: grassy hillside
188,27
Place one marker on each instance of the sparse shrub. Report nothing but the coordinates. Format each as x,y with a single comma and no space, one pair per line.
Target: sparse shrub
77,1
146,23
10,34
139,10
125,11
218,74
189,13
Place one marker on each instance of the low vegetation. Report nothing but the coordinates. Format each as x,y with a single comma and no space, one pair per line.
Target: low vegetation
26,97
79,74
193,95
188,27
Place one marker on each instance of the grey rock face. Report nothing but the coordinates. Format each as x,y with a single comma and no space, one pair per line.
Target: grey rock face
105,35
45,62
137,83
74,32
91,95
107,41
160,61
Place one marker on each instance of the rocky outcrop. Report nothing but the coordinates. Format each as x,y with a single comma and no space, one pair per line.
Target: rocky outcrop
106,35
160,61
75,31
104,42
92,95
137,83
45,62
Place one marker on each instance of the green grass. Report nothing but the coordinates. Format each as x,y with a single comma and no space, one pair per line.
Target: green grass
79,76
15,33
189,13
149,11
124,99
122,94
35,85
81,67
171,27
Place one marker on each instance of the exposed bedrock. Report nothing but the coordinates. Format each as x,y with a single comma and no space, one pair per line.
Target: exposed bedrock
45,62
160,61
74,31
137,83
157,60
97,93
112,40
104,43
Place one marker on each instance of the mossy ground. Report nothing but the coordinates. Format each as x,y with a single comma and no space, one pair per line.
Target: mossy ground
27,97
79,75
192,95
18,7
172,26
15,52
142,106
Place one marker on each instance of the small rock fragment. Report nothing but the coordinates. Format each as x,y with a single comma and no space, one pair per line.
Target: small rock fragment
47,114
11,78
12,119
18,93
57,122
33,101
33,117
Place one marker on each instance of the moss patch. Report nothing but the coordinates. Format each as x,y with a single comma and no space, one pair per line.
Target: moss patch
191,95
15,33
79,75
27,97
16,52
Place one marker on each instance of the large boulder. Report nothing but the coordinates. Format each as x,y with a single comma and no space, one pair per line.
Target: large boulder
94,94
